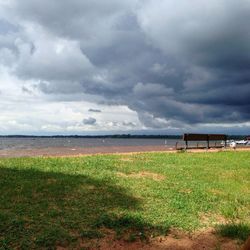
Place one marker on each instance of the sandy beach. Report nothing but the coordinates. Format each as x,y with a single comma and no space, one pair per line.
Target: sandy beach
78,151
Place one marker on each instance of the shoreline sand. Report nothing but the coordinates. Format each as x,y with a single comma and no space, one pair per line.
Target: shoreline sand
80,151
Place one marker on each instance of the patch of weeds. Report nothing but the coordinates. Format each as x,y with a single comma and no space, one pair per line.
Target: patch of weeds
112,221
180,151
16,225
91,234
53,237
132,237
25,244
135,226
231,211
234,231
4,245
53,213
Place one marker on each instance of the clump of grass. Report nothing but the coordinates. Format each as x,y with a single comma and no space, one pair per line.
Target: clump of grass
91,234
234,231
54,236
134,225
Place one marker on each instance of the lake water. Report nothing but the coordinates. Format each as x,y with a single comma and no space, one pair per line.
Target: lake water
33,143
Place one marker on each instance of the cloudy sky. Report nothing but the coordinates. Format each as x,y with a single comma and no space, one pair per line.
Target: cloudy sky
108,66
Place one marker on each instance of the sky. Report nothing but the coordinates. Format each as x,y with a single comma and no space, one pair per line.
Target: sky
129,66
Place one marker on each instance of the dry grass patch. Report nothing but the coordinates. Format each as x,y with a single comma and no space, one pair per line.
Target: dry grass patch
216,191
127,159
213,219
185,191
143,174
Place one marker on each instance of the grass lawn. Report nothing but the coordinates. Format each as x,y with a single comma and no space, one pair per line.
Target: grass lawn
49,202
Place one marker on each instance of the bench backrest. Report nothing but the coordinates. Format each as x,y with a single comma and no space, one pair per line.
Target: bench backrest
204,137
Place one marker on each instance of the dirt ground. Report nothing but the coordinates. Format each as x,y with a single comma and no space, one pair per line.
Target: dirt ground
205,240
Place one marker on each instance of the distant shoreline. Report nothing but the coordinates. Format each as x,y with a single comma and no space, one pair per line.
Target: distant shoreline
96,136
122,136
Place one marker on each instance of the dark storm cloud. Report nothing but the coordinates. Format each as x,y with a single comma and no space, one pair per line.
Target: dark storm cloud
95,110
26,90
174,62
89,121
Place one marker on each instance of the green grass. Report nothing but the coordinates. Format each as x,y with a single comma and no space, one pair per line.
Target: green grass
234,231
49,202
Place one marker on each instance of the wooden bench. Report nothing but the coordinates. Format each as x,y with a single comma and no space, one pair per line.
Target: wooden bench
204,137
